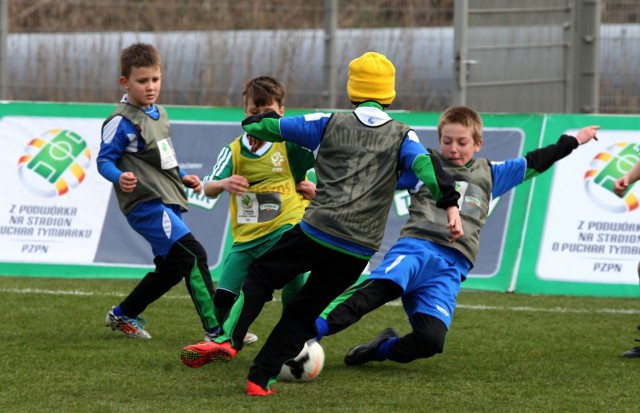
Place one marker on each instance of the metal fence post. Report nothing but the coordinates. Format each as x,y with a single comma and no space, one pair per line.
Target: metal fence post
586,71
330,32
4,39
460,27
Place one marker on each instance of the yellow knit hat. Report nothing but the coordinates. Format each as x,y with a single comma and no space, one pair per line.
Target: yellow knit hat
371,77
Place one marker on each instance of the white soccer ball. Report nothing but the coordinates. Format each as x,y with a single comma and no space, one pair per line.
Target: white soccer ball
306,366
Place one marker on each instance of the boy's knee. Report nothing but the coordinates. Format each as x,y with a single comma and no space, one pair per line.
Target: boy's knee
189,246
430,342
430,333
416,345
182,257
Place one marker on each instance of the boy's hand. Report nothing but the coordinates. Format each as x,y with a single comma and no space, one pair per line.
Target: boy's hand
255,143
620,185
127,181
235,184
193,182
454,223
586,134
307,189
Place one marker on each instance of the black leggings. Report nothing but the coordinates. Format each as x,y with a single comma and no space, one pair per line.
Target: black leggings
426,339
331,273
186,260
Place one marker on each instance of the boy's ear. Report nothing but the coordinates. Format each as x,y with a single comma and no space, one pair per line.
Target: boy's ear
478,146
124,82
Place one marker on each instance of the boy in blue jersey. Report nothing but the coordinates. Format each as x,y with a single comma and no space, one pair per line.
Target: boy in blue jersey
620,187
137,156
423,268
268,193
359,157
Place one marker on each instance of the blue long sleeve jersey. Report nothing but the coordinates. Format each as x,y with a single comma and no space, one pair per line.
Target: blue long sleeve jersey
510,173
308,131
120,136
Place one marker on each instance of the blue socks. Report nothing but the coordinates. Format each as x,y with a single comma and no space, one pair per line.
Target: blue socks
383,352
322,327
385,348
117,311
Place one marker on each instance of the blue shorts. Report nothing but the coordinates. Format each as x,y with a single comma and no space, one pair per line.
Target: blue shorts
160,224
429,274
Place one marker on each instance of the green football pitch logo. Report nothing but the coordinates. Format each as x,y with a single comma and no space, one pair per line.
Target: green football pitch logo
54,163
605,168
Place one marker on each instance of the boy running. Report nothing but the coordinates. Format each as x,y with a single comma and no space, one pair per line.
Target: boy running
137,156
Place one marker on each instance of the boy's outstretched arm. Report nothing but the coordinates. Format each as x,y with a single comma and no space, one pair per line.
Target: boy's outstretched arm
542,159
264,126
587,133
306,131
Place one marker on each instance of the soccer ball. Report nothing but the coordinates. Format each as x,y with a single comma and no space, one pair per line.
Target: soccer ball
306,366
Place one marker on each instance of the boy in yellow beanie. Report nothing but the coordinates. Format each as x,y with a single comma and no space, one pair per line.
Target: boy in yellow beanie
359,157
371,78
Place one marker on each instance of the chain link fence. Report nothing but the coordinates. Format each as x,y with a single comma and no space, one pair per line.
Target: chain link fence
68,50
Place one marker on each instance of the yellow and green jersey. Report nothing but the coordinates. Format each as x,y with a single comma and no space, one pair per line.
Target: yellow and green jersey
271,202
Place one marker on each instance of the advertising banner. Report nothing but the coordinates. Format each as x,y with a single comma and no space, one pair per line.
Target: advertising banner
54,204
581,238
60,217
564,232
